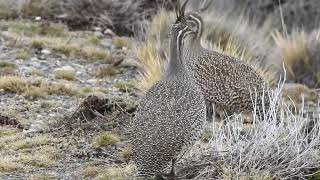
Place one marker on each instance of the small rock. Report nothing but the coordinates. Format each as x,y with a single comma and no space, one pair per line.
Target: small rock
34,59
98,34
36,64
109,32
45,51
97,29
38,18
92,81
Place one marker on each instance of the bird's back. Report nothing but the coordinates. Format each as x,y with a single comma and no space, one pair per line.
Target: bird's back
226,80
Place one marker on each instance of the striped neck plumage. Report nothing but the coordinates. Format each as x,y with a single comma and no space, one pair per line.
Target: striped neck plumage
176,63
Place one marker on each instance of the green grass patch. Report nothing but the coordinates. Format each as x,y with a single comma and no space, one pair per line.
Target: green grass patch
106,139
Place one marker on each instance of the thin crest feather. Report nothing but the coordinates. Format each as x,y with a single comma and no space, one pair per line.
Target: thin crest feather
183,8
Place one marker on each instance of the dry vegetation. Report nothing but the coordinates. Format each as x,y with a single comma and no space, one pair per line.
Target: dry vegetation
90,141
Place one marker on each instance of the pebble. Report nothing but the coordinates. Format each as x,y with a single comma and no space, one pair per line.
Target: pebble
98,34
109,32
45,51
38,18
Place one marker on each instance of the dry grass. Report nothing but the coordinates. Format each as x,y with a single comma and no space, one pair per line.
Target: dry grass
13,84
126,172
282,145
124,86
151,63
67,73
29,142
92,171
298,52
6,165
58,38
106,71
121,42
7,67
23,54
35,90
126,153
22,153
152,53
42,176
293,49
111,173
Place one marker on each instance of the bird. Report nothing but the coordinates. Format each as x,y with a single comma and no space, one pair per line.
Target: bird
171,115
233,86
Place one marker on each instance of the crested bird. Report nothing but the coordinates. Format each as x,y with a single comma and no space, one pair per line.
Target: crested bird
230,84
171,115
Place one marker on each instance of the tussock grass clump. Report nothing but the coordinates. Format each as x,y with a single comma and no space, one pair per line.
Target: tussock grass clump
7,67
94,40
31,29
23,54
120,42
29,142
126,153
105,139
35,90
152,65
34,93
66,72
7,165
60,89
282,145
70,44
126,172
76,50
152,53
299,52
124,86
106,71
13,84
42,176
40,160
121,172
92,171
6,64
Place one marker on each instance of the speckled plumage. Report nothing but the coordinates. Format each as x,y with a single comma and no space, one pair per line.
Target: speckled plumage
229,83
169,118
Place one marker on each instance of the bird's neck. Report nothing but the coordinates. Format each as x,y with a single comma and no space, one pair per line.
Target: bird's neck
192,49
176,65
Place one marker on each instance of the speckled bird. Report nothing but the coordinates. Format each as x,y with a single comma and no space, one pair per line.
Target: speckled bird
171,115
230,84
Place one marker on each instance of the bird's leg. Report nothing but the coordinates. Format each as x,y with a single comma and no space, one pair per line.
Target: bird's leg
172,174
209,111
